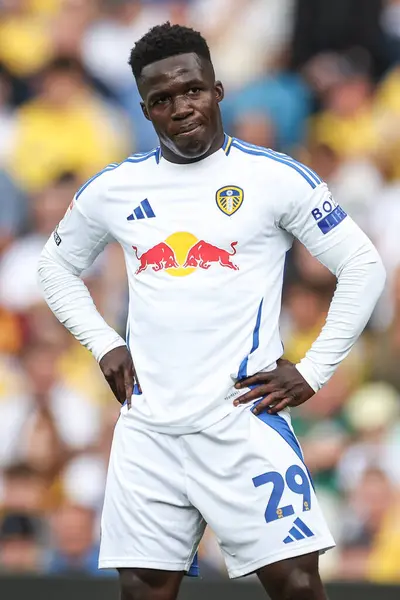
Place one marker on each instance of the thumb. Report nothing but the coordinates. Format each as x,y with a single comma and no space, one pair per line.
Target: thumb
128,382
136,380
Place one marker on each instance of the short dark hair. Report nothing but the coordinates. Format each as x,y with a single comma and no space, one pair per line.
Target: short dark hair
15,525
64,64
20,470
163,41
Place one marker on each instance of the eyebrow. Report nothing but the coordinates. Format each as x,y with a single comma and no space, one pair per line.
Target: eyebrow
160,92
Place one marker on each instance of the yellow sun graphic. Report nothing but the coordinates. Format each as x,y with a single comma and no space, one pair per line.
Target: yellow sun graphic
181,242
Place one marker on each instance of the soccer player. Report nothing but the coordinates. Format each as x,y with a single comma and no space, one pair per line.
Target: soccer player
204,435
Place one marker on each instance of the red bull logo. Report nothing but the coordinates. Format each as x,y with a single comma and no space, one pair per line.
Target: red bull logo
182,253
203,254
159,257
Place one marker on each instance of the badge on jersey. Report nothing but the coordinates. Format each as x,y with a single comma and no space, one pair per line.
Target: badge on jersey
229,199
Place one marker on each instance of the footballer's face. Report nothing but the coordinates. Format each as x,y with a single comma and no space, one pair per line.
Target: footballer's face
181,98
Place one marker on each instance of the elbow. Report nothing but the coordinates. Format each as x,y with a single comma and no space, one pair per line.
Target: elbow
375,276
379,275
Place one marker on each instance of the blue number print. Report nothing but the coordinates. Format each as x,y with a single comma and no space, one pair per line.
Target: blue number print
299,488
273,511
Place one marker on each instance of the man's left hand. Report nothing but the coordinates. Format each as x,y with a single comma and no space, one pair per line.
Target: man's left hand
279,388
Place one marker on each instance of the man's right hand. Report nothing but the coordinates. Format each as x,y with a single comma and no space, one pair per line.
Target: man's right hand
118,369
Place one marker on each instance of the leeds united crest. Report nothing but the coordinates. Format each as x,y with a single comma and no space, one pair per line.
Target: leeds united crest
229,199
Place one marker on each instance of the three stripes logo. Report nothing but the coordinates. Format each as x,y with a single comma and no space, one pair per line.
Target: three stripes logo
142,211
299,531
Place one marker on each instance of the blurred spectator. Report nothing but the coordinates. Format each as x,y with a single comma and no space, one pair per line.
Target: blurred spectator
322,25
306,307
65,128
246,38
390,23
10,334
24,489
373,413
25,38
69,24
20,550
75,365
107,44
372,509
384,346
347,123
283,98
384,558
387,108
48,423
7,116
75,547
255,128
83,478
18,282
13,211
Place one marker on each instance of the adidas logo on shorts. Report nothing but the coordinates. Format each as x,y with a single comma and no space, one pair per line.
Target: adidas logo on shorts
299,531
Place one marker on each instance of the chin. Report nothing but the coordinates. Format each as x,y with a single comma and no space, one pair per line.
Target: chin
192,148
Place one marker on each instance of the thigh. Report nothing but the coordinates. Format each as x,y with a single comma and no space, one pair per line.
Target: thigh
147,519
296,578
149,584
249,481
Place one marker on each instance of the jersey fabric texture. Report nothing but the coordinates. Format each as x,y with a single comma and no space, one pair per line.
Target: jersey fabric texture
244,476
205,246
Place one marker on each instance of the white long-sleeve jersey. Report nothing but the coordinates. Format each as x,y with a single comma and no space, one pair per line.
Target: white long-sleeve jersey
205,246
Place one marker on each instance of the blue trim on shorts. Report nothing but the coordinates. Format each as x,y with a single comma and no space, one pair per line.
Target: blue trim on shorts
194,570
281,426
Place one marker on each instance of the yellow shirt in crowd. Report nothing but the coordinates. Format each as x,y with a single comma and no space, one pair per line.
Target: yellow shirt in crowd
25,44
51,140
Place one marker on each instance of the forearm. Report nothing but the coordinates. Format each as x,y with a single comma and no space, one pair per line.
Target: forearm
72,304
360,283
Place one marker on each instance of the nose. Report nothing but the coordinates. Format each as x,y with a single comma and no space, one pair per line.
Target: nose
181,109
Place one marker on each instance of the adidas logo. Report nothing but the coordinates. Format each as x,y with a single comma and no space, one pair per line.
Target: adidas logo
142,211
299,531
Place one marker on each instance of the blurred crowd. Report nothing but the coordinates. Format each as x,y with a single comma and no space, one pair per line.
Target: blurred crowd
317,79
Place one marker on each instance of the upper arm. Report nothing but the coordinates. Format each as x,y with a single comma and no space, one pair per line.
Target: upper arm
83,232
313,217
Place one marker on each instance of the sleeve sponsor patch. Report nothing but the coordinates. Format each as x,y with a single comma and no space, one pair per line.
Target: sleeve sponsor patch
329,215
57,238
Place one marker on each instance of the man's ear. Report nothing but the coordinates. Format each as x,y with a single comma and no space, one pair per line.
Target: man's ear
219,91
144,110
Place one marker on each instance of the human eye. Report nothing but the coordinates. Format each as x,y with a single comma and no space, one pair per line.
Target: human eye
160,100
193,90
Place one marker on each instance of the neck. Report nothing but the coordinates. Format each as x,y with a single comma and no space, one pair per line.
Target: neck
170,156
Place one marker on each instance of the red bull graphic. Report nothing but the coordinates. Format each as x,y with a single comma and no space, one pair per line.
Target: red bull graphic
159,257
182,253
203,254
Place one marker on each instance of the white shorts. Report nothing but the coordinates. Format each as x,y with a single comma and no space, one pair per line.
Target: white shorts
244,476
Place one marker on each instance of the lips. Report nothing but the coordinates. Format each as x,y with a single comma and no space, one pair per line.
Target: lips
188,129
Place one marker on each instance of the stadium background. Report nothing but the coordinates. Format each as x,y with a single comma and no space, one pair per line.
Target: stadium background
314,78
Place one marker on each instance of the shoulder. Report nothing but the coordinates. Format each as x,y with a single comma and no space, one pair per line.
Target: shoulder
280,167
103,180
